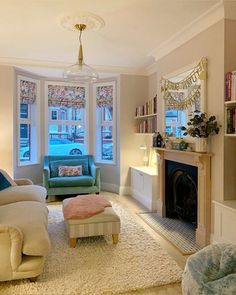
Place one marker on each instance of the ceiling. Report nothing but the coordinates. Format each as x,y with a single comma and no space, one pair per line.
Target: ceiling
30,30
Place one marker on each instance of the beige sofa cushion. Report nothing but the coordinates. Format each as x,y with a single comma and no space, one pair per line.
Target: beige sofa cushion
31,218
23,193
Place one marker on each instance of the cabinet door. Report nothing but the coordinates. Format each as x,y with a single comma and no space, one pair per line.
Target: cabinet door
137,181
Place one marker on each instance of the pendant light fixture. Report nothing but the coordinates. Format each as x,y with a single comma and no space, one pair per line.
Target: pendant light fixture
80,72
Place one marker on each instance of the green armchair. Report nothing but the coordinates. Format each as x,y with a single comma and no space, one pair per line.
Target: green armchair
89,182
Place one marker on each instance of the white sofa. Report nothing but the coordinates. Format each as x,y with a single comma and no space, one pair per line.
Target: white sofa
24,240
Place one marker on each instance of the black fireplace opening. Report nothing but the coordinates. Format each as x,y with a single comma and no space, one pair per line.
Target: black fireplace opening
181,191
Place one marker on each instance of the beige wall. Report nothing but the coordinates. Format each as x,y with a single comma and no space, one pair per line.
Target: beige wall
133,92
152,85
210,44
230,143
6,118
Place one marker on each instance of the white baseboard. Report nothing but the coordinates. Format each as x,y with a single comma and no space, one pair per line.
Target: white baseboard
110,187
125,190
114,188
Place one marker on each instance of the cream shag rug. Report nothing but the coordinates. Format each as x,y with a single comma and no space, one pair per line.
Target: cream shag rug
96,266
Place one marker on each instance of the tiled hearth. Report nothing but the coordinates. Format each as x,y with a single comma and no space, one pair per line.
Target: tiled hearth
202,162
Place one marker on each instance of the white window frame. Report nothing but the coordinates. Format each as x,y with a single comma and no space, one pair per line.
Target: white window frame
98,124
33,120
66,122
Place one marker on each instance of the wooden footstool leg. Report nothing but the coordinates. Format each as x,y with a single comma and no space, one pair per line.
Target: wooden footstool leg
72,242
115,238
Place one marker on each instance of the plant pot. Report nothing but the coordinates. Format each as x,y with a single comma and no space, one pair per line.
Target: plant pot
201,144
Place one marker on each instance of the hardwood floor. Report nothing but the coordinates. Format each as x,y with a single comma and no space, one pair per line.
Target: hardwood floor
134,207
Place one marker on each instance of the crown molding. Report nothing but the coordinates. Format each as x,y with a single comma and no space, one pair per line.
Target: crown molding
204,21
61,65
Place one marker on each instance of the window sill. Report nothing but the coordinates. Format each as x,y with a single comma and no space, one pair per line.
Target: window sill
28,163
105,163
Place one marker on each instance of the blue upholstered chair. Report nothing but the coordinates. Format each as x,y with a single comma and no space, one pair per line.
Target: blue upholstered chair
89,182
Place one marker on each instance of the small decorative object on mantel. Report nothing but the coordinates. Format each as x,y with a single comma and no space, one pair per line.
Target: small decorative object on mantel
167,141
179,144
183,145
201,127
157,140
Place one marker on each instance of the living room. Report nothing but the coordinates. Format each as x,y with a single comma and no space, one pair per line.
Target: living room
156,42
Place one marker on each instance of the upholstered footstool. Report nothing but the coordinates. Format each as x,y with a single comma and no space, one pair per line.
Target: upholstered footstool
104,223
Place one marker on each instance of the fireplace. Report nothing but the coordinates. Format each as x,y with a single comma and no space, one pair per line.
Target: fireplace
181,191
193,172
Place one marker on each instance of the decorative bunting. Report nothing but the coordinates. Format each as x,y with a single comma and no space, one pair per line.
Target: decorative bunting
176,99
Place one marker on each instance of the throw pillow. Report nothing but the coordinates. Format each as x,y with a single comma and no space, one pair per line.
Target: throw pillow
4,183
70,170
69,162
6,177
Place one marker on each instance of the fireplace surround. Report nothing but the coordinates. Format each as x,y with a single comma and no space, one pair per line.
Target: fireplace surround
202,162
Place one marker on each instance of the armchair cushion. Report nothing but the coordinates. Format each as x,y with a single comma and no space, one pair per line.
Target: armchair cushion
54,165
70,181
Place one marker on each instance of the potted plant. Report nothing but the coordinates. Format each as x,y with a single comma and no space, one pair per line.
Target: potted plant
200,127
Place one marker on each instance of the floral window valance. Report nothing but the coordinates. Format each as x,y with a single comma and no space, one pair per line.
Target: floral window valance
66,96
28,92
170,89
104,96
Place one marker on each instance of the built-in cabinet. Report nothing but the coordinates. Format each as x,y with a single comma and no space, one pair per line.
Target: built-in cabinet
144,186
225,221
225,210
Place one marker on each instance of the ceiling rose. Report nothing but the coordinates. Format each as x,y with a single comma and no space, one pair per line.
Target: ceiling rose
93,22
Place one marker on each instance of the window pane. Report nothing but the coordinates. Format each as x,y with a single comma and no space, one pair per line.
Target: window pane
24,142
24,111
107,143
64,113
66,139
107,113
174,120
54,115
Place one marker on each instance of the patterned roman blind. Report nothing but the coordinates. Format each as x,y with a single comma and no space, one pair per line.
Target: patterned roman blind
104,96
28,92
66,96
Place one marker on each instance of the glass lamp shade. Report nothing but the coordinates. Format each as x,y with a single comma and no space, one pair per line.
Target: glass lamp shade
80,73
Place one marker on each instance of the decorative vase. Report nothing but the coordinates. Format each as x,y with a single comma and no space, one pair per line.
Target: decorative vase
201,144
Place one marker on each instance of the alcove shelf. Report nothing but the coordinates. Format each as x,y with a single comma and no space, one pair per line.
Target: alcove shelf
230,117
145,116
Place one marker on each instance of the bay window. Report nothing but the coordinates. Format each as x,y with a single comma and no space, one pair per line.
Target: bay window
28,120
105,131
67,125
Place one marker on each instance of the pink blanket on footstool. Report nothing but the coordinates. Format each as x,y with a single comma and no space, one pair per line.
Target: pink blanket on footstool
82,207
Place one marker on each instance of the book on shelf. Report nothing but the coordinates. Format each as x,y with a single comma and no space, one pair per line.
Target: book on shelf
230,86
149,108
147,126
231,120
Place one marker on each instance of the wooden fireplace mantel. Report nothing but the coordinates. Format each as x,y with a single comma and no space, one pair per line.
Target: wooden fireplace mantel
203,162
